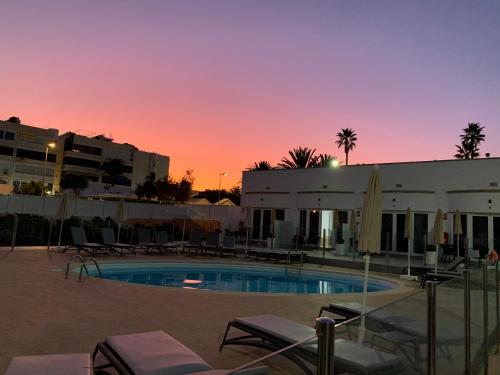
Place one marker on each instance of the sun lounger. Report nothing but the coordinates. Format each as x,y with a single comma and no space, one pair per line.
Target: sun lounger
161,237
109,239
194,243
212,243
80,243
228,246
53,364
274,333
144,242
154,353
289,256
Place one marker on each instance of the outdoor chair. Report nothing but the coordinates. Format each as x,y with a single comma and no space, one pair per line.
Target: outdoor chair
212,243
228,246
144,241
156,352
400,330
273,333
52,364
80,243
109,239
161,237
195,238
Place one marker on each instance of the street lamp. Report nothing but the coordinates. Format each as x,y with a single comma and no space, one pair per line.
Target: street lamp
49,145
220,181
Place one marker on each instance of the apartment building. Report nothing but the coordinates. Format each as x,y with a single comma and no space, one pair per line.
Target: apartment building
82,155
25,155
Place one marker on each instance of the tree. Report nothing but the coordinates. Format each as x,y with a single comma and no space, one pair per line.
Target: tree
325,160
178,191
346,138
302,157
113,168
147,189
74,182
260,166
29,188
212,195
470,141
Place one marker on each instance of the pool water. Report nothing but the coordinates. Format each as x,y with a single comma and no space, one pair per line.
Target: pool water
239,278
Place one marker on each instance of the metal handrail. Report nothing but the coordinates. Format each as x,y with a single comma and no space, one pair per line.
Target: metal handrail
83,265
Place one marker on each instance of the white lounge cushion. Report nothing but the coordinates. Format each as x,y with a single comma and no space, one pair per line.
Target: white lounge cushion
155,353
53,364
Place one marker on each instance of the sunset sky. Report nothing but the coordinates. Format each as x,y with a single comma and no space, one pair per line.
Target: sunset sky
218,85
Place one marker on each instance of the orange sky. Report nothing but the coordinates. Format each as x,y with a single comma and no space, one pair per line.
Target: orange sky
219,87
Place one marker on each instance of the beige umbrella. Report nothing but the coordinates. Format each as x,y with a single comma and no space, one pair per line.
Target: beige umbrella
409,236
369,237
63,213
457,229
438,235
336,226
120,216
353,228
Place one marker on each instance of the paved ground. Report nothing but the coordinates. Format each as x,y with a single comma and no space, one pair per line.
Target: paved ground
40,312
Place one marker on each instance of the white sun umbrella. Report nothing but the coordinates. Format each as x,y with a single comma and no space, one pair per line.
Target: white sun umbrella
369,237
336,226
438,235
120,216
409,236
63,213
457,229
181,212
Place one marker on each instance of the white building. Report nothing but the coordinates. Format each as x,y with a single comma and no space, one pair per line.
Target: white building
78,154
22,154
302,201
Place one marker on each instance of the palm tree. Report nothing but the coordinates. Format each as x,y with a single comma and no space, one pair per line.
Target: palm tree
471,138
325,160
260,166
74,182
302,157
346,138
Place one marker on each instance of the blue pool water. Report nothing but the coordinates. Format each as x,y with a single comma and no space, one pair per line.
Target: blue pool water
239,278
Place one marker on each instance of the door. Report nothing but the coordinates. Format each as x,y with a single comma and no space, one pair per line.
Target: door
420,230
401,241
313,237
496,233
256,224
480,234
386,235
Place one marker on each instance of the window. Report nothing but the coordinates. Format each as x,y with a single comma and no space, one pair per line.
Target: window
256,225
6,150
303,223
35,155
127,169
1,134
280,215
86,149
401,241
120,180
9,136
342,220
386,235
420,233
81,162
313,237
266,224
480,234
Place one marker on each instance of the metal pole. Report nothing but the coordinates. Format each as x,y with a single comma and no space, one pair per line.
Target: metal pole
44,169
324,249
467,287
325,330
15,222
485,316
431,328
497,282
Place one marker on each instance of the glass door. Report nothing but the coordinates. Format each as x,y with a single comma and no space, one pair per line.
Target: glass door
420,231
480,234
496,233
386,235
313,237
401,241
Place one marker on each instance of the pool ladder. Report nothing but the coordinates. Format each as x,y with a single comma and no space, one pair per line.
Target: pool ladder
83,265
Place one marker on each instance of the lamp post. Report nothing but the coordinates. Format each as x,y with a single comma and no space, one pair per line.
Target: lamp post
49,145
220,181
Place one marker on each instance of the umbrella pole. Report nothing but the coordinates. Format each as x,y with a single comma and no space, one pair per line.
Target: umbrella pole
60,233
409,243
361,336
436,260
119,230
183,232
246,242
458,245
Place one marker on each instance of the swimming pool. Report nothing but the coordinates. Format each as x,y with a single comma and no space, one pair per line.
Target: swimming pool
239,278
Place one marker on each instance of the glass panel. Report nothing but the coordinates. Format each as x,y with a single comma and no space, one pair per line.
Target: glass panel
303,222
496,233
401,241
280,215
342,220
420,231
386,236
256,225
266,224
480,234
395,334
313,228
